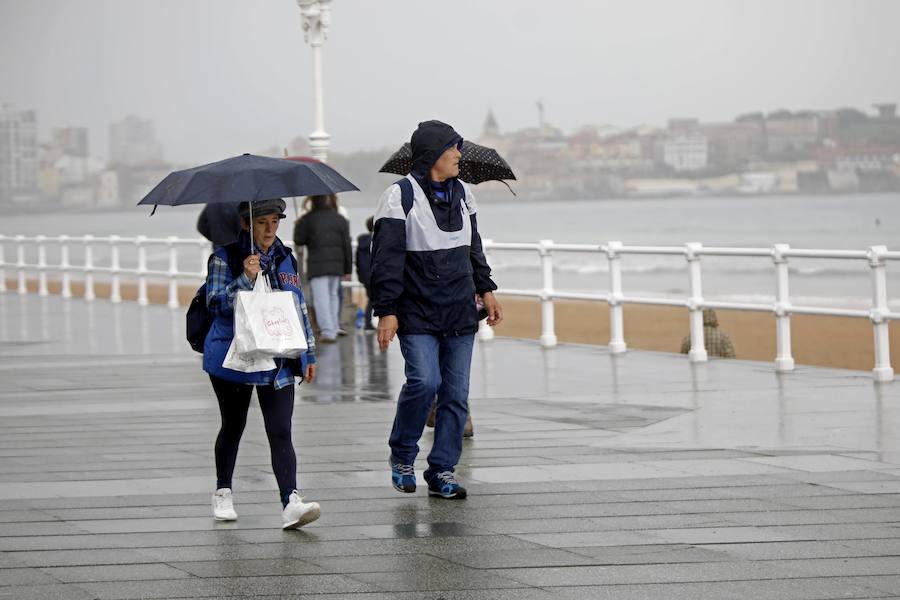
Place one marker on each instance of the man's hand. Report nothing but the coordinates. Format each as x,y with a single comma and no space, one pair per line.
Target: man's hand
495,311
387,328
310,375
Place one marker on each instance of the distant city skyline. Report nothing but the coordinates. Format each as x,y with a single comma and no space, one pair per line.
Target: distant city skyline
220,77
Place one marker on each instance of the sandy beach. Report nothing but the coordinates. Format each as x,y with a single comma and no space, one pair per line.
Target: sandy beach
839,342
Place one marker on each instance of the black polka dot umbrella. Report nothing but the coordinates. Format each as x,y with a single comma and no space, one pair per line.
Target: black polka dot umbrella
477,164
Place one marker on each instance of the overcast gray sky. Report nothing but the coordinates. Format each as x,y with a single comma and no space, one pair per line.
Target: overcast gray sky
221,77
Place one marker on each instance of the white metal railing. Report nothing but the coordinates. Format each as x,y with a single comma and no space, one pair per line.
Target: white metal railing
877,258
90,267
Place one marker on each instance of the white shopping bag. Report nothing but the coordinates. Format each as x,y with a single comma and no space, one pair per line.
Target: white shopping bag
236,361
266,323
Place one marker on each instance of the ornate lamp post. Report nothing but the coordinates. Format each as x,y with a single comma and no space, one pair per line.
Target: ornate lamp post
316,21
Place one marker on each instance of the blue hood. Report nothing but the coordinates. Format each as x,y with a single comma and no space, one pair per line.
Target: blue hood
428,142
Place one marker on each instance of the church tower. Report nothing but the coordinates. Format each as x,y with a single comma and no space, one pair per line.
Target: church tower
490,129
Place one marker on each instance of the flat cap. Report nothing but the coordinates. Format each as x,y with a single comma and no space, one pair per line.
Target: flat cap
263,207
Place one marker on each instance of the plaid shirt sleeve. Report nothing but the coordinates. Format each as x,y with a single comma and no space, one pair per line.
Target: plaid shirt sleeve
221,287
300,305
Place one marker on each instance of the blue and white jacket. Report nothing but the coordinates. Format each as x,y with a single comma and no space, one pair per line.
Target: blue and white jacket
428,265
220,295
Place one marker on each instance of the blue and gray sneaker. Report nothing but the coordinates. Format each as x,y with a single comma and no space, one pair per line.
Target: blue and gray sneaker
444,485
403,477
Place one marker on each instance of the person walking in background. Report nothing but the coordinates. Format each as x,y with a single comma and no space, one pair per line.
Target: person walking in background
364,267
233,268
427,266
220,223
343,212
326,236
717,342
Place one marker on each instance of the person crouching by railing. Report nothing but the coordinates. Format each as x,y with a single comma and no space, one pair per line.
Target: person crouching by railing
232,268
717,343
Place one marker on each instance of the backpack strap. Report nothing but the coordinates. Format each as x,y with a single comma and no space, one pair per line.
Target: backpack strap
406,195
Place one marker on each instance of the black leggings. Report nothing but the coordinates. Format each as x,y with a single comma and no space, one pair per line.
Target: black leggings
277,409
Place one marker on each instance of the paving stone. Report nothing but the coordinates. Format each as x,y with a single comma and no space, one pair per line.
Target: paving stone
845,501
54,558
244,567
887,547
793,589
790,550
118,572
47,592
846,567
655,554
596,538
22,577
839,531
455,577
652,573
544,557
890,584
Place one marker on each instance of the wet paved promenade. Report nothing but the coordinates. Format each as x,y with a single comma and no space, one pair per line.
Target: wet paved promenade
590,476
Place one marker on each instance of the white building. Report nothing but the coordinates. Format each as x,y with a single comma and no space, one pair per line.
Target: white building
132,142
686,152
18,154
106,192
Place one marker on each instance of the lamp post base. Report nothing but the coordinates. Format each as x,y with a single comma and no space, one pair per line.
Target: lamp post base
319,142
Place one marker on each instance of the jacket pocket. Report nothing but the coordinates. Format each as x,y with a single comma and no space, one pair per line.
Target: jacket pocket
447,265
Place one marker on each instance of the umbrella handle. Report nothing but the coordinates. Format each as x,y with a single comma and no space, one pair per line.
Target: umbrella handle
250,204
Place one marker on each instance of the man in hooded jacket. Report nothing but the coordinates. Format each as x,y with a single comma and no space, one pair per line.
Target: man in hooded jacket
427,268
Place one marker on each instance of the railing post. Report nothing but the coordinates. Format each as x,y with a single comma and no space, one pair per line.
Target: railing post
616,318
695,302
20,264
64,267
173,272
205,251
485,331
142,270
784,361
89,268
548,333
115,289
42,265
3,239
883,370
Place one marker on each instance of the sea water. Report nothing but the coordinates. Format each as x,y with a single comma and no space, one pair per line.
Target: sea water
822,222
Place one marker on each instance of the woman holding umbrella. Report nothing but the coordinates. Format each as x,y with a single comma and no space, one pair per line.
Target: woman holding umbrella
231,268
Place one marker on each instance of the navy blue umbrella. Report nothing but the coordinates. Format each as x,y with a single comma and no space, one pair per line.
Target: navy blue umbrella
247,178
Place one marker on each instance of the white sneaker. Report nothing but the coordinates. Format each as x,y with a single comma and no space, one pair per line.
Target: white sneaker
298,513
223,506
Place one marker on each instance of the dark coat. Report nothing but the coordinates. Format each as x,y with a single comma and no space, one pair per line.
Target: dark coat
326,235
364,258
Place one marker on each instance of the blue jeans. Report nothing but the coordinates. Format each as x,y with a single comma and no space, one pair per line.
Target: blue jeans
325,300
435,366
